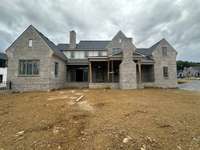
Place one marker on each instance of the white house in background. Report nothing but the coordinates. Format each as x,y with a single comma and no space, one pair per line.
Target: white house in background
3,69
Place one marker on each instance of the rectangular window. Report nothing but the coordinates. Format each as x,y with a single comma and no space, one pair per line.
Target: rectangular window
1,78
164,51
79,55
29,67
165,72
93,53
116,50
72,54
56,69
86,54
30,43
2,63
103,53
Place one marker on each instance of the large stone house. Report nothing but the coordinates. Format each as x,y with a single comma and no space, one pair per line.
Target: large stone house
36,63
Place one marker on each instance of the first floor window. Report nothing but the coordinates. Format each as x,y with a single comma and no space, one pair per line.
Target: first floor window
29,67
1,78
56,69
165,72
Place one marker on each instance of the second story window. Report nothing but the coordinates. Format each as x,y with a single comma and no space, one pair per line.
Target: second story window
103,53
86,54
116,50
93,53
164,51
30,43
72,55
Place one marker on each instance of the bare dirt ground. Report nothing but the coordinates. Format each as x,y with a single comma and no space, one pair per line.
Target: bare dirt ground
149,119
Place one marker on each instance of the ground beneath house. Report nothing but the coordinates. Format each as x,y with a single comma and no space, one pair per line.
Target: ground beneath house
148,119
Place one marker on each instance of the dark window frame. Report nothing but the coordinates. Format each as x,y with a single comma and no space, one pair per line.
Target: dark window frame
1,78
164,51
3,63
165,72
56,69
72,54
29,67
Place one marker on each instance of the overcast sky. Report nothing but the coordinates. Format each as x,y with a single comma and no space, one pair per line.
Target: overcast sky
146,21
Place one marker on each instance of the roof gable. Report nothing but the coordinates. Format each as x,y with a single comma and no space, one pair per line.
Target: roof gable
149,51
119,34
49,43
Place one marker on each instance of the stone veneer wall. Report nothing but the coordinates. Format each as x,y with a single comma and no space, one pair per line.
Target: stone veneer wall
40,51
168,61
128,79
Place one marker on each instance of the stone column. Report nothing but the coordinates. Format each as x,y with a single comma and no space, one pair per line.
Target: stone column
112,71
128,67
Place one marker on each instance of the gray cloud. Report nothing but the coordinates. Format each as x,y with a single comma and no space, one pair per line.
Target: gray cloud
146,21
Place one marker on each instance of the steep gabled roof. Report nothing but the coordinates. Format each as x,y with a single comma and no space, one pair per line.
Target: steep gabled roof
147,51
62,46
50,44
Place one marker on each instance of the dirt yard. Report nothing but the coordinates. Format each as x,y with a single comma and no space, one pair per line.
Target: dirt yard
150,119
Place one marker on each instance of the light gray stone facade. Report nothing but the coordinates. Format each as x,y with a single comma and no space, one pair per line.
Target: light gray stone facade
127,67
20,50
165,61
124,66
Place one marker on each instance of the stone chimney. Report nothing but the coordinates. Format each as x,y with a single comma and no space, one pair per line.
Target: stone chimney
72,39
127,71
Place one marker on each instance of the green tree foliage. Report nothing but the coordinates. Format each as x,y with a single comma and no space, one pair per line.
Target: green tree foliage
181,64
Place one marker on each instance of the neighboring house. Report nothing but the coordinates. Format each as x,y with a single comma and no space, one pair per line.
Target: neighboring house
36,63
3,69
189,72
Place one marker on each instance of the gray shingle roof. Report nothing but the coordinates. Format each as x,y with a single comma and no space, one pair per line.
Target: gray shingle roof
85,45
62,46
51,45
3,56
93,44
147,51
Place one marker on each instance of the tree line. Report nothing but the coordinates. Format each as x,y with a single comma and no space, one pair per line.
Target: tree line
181,64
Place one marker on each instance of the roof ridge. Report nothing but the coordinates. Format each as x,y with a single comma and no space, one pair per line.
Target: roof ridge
95,40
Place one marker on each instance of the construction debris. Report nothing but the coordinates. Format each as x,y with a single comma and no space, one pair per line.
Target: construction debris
79,99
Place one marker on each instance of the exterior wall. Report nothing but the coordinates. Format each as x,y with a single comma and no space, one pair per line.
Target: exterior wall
128,75
168,61
20,50
3,71
116,42
59,81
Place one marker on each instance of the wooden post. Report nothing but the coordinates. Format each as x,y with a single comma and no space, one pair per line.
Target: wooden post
90,72
112,71
108,71
140,74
